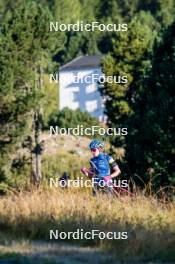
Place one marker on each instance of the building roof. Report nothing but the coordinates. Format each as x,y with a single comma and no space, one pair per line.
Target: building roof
83,62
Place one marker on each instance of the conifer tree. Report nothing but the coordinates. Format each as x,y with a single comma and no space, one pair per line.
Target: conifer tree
25,45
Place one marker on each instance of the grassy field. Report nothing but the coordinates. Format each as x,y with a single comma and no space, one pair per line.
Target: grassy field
149,223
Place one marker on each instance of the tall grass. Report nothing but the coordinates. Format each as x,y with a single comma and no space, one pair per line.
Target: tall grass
61,153
150,224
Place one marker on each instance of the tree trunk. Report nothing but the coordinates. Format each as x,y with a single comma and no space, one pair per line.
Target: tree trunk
37,150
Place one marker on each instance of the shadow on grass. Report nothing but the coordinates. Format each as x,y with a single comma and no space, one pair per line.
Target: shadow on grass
59,253
142,245
16,258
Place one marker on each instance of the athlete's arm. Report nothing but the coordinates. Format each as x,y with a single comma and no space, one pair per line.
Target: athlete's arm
90,173
116,171
115,168
87,172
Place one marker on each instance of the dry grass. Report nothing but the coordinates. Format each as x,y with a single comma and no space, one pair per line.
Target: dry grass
150,225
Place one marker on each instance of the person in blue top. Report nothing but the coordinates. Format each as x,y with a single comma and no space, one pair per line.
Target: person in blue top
100,165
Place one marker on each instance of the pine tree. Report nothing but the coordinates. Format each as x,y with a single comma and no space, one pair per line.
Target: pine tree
130,57
150,150
25,46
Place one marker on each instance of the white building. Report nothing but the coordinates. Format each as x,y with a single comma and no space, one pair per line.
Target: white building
78,84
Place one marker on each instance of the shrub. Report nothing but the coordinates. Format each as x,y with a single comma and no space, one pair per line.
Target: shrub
68,118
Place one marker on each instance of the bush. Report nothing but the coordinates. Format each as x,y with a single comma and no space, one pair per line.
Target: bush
71,118
68,118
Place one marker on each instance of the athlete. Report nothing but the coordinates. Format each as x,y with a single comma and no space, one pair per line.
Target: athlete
100,166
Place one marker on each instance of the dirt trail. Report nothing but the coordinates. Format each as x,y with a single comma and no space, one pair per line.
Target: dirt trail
60,253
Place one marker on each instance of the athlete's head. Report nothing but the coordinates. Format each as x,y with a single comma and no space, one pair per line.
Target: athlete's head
96,146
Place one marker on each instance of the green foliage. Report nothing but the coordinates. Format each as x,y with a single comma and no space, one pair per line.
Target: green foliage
163,10
72,118
144,105
153,139
108,11
25,45
50,100
67,11
131,58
